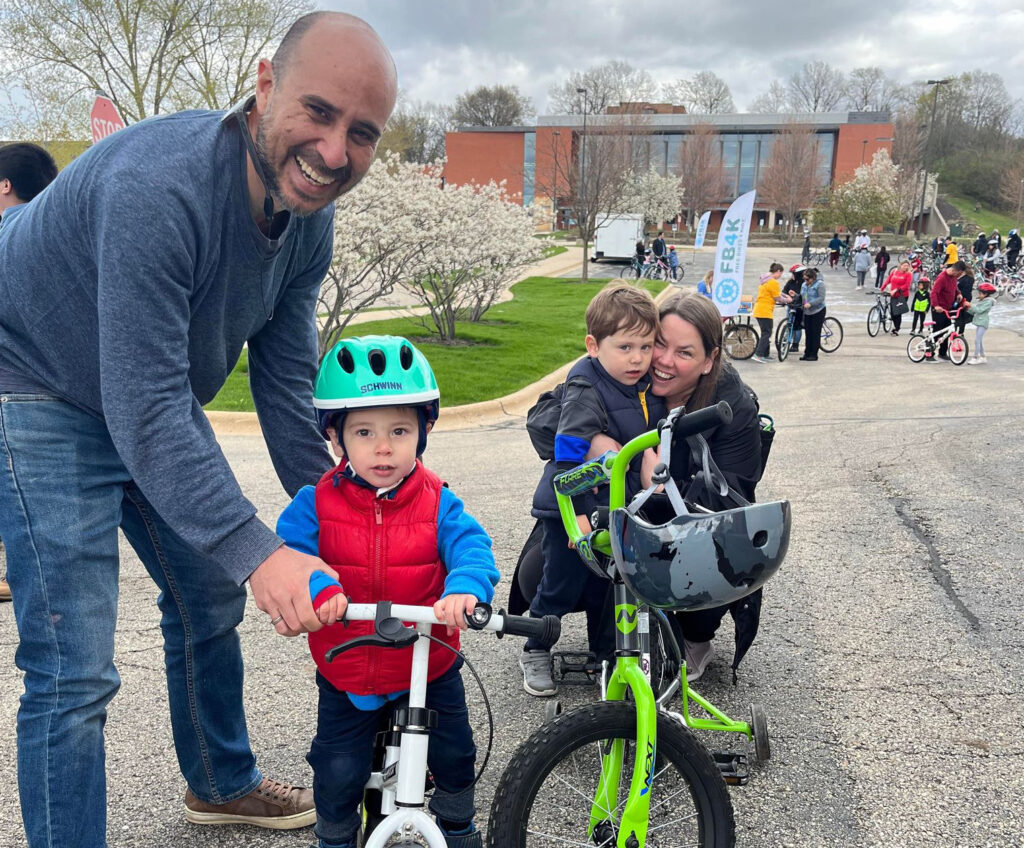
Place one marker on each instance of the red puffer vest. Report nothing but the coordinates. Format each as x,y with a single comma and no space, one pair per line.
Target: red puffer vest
384,549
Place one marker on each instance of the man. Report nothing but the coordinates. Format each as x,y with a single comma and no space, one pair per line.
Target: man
25,170
1013,246
658,246
129,289
980,245
944,295
805,255
863,240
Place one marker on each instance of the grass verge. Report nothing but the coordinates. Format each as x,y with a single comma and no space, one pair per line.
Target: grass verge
986,219
518,342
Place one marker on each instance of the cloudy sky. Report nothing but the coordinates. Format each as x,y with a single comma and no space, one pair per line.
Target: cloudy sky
444,47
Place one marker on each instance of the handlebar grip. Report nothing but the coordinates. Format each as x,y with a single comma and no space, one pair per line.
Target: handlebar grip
546,629
702,419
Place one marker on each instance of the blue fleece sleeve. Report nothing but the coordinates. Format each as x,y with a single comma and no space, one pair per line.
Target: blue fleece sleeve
298,526
465,549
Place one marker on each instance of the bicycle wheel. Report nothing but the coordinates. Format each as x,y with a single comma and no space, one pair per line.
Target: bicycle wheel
740,341
874,321
958,350
546,794
917,347
783,339
849,268
831,335
886,318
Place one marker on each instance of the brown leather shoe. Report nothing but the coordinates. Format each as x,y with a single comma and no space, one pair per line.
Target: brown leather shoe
5,590
272,804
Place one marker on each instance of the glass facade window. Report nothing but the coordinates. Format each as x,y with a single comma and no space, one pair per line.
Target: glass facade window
730,163
748,163
529,166
826,149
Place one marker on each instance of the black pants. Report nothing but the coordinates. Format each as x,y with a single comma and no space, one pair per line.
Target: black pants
918,322
812,334
942,321
897,321
567,582
764,343
1011,258
879,277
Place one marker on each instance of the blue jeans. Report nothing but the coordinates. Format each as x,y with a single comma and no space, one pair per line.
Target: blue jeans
63,494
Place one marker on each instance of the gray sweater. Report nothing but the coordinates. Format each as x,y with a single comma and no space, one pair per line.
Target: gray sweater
129,289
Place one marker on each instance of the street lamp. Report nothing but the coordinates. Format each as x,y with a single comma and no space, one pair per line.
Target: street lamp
863,150
583,139
1020,198
554,190
927,141
583,204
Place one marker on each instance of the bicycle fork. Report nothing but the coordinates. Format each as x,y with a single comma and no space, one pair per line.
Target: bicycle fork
627,674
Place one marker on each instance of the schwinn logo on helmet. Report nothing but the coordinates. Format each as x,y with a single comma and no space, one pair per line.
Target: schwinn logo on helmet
383,386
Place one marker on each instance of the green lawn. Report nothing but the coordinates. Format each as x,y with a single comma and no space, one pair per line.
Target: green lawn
517,343
986,219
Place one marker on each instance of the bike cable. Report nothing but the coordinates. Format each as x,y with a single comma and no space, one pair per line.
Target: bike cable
483,694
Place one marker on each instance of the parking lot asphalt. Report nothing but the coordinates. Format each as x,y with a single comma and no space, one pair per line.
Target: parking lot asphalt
890,656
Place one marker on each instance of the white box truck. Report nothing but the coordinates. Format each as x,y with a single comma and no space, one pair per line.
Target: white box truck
616,238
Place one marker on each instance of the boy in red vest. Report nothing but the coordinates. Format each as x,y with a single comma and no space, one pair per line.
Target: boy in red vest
393,531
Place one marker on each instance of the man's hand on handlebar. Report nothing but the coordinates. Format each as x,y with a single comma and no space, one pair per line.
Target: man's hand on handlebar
280,585
453,610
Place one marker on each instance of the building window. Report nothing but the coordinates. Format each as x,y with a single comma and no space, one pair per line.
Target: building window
748,163
529,166
826,149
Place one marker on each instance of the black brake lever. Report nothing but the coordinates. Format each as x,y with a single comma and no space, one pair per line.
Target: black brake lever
389,632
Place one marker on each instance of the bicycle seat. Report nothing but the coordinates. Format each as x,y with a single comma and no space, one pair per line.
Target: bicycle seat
929,323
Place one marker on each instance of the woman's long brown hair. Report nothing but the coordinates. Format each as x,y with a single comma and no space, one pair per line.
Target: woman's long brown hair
703,314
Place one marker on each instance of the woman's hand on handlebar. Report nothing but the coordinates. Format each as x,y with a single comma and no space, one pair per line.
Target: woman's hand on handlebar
648,463
453,610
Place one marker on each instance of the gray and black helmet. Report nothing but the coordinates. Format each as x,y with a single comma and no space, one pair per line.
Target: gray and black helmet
699,561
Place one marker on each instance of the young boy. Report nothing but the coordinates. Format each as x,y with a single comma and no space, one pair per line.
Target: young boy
392,531
921,303
607,392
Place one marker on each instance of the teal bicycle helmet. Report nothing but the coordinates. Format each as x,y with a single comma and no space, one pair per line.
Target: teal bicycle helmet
375,371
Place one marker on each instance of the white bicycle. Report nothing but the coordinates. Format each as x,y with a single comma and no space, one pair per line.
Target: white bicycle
393,810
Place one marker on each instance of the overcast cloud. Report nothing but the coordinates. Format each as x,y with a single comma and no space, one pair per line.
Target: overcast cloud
445,47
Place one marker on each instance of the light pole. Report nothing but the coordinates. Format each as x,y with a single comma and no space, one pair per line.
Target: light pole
583,204
863,150
1020,198
554,190
927,141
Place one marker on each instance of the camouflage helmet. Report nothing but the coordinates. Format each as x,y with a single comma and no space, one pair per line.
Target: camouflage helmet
704,560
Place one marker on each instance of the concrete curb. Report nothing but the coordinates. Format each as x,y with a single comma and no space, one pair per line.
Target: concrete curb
483,414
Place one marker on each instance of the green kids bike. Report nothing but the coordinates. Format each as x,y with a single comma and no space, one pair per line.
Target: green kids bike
626,772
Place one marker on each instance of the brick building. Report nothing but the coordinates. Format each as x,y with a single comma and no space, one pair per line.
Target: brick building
524,156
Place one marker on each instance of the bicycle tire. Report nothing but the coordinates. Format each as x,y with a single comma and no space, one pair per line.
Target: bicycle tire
886,318
874,320
957,350
740,341
782,342
917,347
565,750
831,339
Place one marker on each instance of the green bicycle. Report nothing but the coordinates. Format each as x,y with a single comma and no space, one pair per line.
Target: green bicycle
625,771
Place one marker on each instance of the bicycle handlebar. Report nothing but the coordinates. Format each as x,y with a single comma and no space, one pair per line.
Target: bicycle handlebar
703,419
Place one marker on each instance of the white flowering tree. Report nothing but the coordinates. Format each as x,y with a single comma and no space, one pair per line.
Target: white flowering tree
453,249
473,242
871,199
655,197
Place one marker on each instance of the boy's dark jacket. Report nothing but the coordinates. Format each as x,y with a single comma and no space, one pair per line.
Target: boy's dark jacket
595,403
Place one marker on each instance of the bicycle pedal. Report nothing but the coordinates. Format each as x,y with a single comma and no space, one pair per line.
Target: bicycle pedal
576,668
734,768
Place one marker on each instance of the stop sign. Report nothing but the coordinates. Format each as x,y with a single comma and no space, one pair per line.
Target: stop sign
104,119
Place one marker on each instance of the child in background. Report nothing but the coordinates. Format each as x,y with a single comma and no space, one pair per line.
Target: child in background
979,312
393,531
673,261
920,306
704,286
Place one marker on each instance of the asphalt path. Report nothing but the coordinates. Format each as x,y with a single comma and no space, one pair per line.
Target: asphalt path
890,656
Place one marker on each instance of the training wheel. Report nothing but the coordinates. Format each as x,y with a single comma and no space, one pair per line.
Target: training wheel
552,709
759,727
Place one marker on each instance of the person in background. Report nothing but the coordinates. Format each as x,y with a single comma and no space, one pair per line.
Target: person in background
991,257
704,286
999,239
921,304
768,295
835,247
980,245
673,261
898,285
916,265
861,264
1013,246
812,294
881,264
951,251
846,242
965,294
944,295
863,240
792,288
658,246
979,311
805,254
25,170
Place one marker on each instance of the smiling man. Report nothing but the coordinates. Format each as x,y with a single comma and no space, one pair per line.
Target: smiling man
129,290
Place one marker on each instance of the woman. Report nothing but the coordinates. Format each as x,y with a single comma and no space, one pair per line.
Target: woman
768,295
812,293
861,264
704,286
881,265
688,370
898,285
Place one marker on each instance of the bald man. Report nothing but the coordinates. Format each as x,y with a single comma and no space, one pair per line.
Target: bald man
129,290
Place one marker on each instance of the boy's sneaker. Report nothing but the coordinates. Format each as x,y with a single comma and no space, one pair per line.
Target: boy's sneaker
272,804
467,839
537,677
698,656
760,359
972,361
